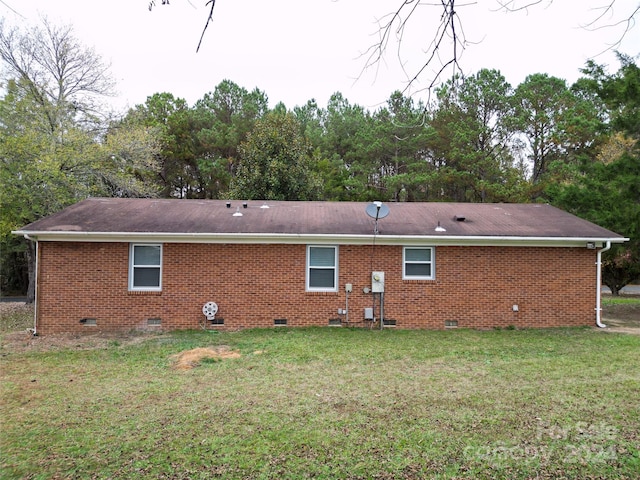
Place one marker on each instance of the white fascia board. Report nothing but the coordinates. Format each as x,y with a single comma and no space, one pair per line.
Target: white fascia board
286,238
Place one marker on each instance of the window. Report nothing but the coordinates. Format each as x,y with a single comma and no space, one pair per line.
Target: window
145,267
322,269
417,263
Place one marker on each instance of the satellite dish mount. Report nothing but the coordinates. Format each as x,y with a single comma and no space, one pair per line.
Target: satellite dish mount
377,210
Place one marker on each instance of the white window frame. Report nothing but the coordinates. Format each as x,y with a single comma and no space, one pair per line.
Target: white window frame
432,262
334,268
132,267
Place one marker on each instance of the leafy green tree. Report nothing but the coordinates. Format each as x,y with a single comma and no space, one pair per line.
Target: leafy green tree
126,163
396,149
620,92
605,187
52,148
223,119
347,131
37,178
472,141
311,119
174,124
557,125
329,166
276,162
609,194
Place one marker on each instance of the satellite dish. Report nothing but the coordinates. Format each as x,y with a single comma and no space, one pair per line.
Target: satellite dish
377,210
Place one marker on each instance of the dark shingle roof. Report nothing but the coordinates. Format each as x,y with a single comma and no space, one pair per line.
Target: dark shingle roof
172,216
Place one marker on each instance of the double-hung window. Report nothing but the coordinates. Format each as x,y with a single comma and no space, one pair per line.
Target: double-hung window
145,267
322,268
418,263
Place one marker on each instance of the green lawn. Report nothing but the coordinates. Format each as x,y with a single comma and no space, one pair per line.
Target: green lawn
328,403
608,300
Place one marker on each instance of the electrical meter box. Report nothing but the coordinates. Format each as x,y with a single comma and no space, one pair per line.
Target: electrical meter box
377,282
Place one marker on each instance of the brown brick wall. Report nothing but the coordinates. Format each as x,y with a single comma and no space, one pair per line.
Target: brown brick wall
255,284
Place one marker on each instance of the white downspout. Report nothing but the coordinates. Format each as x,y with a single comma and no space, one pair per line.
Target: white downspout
599,284
35,290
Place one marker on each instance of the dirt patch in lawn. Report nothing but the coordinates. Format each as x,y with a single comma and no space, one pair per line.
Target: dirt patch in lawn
192,358
628,314
622,317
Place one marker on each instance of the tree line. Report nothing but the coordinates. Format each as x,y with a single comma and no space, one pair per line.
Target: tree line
478,139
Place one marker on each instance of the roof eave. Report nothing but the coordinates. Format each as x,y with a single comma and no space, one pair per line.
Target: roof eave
342,239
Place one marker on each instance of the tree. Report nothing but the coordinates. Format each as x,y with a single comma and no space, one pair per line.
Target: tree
346,133
446,41
609,195
65,79
472,142
619,92
276,163
329,166
127,163
556,123
52,150
605,187
35,180
223,120
174,124
396,149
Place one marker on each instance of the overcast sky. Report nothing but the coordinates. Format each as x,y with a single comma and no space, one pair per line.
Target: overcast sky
296,50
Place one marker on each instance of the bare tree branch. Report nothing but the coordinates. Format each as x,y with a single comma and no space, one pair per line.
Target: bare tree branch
209,19
597,23
443,51
152,4
512,5
11,8
629,21
449,42
62,75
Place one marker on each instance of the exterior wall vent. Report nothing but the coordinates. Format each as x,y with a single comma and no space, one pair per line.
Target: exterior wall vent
450,323
217,321
280,322
154,321
89,322
389,323
335,322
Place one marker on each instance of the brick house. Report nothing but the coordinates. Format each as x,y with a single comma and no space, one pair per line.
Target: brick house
126,264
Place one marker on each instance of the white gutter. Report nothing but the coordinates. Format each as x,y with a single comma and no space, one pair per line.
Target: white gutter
599,284
35,288
295,238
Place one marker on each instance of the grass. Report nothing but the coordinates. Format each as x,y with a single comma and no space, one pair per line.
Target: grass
15,317
608,300
328,403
